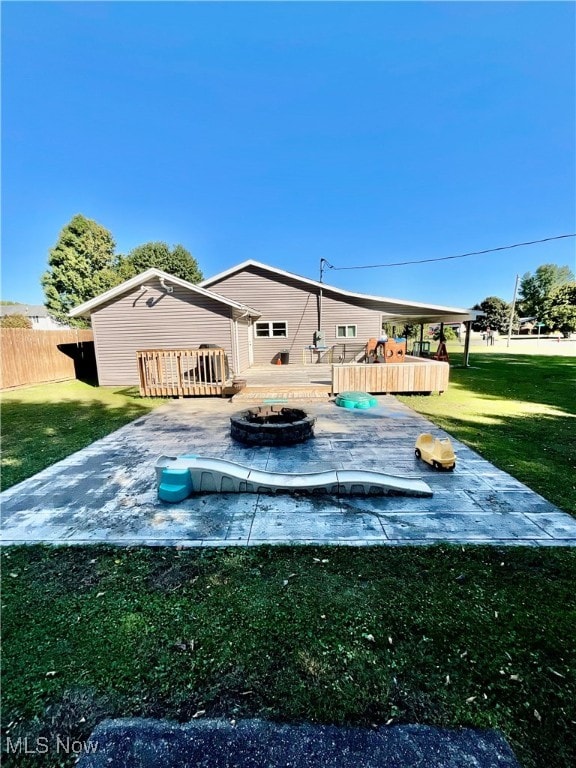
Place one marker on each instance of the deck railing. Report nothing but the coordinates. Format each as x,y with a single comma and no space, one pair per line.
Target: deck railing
414,374
337,353
181,372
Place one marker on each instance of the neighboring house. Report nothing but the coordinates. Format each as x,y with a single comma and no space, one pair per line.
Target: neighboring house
37,314
527,325
253,311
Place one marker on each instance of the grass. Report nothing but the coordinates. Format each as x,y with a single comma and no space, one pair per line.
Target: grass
453,636
45,423
517,411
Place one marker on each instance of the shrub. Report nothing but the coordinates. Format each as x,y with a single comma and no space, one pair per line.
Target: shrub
15,321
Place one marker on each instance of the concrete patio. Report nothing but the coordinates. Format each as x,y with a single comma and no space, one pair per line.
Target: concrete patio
106,493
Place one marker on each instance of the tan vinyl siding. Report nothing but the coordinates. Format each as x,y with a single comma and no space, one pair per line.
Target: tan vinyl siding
154,319
336,312
281,298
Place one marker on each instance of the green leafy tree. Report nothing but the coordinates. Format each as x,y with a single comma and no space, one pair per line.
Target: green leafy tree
84,249
536,289
117,273
403,331
448,334
176,261
15,321
559,311
495,315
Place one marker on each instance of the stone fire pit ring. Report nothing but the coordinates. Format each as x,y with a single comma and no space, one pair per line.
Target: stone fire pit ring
272,425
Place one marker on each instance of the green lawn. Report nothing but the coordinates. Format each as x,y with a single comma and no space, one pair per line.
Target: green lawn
474,636
45,423
519,412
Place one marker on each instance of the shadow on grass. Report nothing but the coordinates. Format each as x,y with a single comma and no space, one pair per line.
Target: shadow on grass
38,434
538,450
536,379
518,412
444,635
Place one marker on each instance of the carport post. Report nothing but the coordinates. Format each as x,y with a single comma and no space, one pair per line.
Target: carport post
468,325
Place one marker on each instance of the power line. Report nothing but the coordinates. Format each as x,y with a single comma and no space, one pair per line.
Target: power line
447,258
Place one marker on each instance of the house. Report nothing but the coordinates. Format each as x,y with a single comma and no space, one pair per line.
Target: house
527,325
253,311
293,309
37,314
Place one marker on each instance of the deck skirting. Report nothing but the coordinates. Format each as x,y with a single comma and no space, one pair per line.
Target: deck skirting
412,375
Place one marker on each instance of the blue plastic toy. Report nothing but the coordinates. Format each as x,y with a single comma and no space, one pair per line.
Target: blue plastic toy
356,400
176,484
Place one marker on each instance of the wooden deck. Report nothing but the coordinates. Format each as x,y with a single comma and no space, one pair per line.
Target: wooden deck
181,372
193,372
415,374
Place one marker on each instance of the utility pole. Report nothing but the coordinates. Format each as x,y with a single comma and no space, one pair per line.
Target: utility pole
320,296
512,311
323,264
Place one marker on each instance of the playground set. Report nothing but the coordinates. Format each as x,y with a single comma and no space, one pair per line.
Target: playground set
395,350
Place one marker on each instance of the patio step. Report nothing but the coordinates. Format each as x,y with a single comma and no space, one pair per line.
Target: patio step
264,394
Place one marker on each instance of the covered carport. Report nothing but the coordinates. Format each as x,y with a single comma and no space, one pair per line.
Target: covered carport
466,318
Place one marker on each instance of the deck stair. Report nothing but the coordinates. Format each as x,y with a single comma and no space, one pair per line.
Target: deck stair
259,394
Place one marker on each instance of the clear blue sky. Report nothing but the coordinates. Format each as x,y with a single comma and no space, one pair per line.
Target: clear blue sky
286,132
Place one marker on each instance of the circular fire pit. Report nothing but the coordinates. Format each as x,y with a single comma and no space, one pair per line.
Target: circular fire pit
272,425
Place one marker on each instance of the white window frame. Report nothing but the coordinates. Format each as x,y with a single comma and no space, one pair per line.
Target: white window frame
346,326
270,328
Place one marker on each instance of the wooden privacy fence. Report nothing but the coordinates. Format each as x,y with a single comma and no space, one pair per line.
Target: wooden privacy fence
33,357
166,372
413,375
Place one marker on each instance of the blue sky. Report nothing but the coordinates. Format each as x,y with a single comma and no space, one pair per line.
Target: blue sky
363,133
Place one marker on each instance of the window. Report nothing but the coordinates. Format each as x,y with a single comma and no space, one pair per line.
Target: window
276,329
345,331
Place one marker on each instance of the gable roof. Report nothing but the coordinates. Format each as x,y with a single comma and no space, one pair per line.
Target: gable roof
134,282
395,308
28,310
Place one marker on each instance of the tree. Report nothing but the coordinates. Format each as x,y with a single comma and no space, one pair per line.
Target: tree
84,249
559,311
535,289
15,321
496,315
448,334
119,271
407,331
178,261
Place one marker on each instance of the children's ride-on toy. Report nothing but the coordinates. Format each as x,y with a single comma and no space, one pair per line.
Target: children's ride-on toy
439,453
